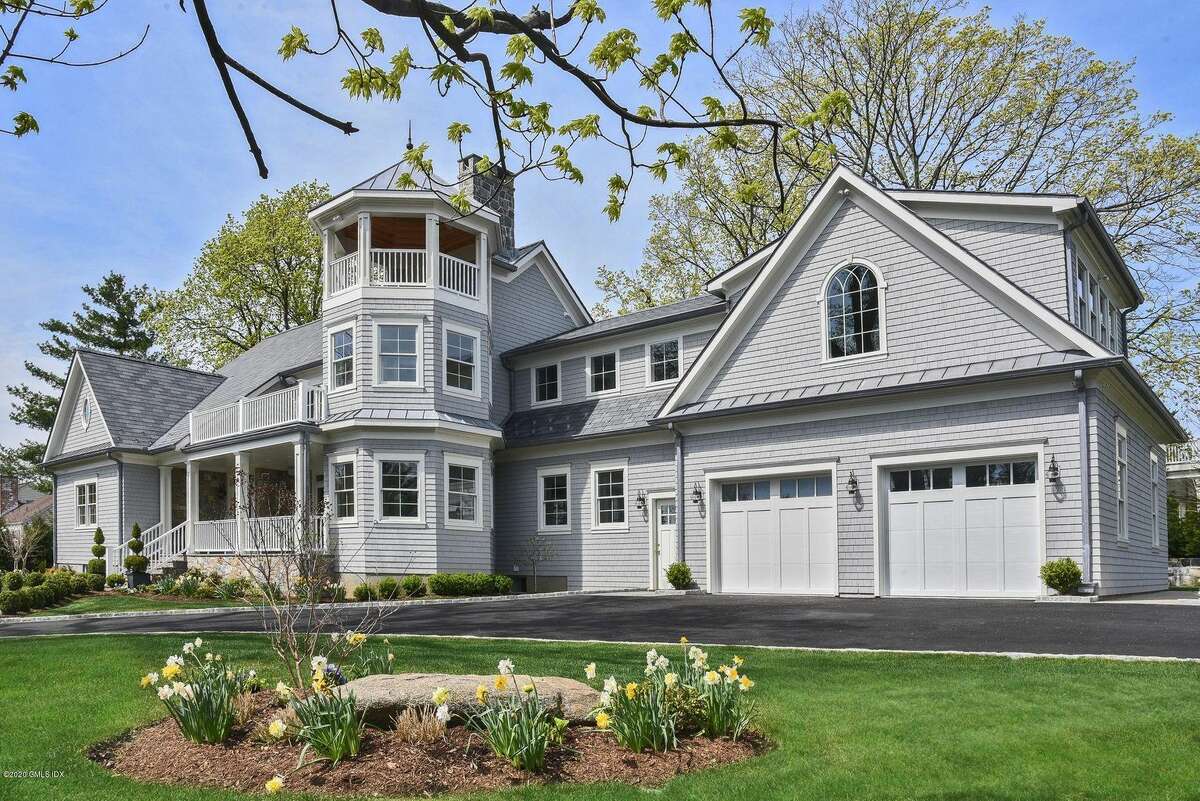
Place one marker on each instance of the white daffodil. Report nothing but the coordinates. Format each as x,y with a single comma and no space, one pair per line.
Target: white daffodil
605,698
505,667
651,655
165,692
443,713
590,670
175,660
188,648
197,642
318,664
671,679
662,662
610,685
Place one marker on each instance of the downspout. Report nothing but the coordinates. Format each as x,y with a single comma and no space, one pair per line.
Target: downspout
1085,477
54,539
120,501
680,509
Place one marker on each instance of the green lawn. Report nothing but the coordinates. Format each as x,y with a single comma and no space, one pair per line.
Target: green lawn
122,602
849,726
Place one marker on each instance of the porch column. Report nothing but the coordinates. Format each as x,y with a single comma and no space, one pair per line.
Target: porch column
364,249
193,502
164,498
327,238
241,494
433,250
485,271
300,472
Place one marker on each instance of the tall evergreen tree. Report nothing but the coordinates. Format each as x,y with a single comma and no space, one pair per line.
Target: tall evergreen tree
110,320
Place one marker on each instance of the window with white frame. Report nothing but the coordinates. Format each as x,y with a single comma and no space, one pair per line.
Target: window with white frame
1114,330
853,313
1093,327
463,475
400,487
85,504
398,355
462,356
602,373
545,383
608,495
554,485
343,489
1155,500
1122,454
1103,340
1081,278
664,361
341,357
85,413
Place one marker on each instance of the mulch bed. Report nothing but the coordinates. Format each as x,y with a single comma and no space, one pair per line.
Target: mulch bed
386,766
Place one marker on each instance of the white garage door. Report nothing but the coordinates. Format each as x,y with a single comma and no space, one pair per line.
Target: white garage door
778,535
968,529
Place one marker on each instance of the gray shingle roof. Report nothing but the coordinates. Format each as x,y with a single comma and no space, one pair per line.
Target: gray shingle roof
623,413
887,384
139,399
681,310
410,414
508,260
290,350
385,179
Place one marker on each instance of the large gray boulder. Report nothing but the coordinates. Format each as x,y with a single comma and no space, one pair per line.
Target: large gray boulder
381,697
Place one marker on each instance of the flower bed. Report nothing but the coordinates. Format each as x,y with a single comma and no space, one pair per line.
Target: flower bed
225,731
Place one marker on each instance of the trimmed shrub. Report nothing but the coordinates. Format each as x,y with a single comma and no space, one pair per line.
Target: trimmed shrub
457,585
8,603
135,562
97,567
95,581
98,549
59,586
413,586
389,588
34,579
503,584
79,584
115,580
1062,575
14,581
679,575
366,592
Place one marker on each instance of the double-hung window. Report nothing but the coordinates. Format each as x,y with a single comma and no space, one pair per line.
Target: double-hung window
400,487
462,358
464,475
608,495
341,357
1122,454
1155,500
545,383
554,513
399,359
85,504
343,489
1081,282
602,373
664,361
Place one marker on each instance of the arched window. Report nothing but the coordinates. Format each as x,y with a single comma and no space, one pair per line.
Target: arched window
86,413
853,319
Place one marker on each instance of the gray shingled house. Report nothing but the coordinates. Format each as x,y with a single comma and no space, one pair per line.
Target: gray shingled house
910,393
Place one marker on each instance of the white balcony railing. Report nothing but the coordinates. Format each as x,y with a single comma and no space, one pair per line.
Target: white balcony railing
397,267
343,273
302,403
1183,452
257,535
459,276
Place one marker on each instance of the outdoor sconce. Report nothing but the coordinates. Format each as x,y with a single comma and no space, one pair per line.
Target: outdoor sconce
697,495
852,484
1052,473
641,500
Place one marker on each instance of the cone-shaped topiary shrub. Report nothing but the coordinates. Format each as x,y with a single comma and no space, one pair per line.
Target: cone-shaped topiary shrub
98,565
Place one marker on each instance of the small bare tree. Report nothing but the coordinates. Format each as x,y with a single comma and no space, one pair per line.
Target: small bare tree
283,547
537,549
20,543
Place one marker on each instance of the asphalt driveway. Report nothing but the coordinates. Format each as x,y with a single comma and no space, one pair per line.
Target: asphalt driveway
886,623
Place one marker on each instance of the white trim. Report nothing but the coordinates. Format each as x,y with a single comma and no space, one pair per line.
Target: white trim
1121,433
952,456
595,468
650,343
559,283
620,340
399,456
352,327
734,275
476,391
462,460
350,458
377,354
1156,481
70,397
841,186
652,501
881,287
542,472
587,369
533,401
94,482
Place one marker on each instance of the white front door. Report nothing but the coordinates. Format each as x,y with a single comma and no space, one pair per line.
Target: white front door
779,536
964,529
664,527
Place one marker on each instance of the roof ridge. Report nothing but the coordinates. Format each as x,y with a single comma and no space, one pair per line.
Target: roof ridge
146,361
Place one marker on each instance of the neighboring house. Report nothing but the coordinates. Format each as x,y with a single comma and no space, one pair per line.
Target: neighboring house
910,393
1183,473
21,503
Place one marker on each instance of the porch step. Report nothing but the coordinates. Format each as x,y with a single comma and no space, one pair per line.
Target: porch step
176,567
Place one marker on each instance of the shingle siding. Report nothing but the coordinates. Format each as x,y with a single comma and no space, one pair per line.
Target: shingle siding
140,497
932,318
73,543
95,435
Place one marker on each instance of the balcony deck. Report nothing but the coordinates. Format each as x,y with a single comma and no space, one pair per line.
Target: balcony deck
302,403
398,267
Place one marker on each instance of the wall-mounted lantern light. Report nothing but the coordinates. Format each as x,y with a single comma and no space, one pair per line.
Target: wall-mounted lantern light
641,500
1052,472
697,495
852,484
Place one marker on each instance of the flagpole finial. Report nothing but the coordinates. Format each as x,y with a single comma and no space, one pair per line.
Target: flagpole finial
409,146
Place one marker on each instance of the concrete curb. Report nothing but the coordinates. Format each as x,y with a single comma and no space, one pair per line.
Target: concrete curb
365,605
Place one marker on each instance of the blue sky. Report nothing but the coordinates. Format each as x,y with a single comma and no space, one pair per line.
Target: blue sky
138,162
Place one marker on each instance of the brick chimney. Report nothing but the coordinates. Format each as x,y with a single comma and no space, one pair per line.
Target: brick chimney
493,189
9,488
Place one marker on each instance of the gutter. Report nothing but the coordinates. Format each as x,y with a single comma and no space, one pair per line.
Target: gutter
1085,478
97,454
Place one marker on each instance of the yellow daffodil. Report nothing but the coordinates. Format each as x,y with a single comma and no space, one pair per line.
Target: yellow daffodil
391,656
602,720
683,640
283,692
481,694
277,728
171,671
745,683
355,639
631,690
148,679
589,670
500,682
440,696
274,785
712,677
527,689
671,679
737,660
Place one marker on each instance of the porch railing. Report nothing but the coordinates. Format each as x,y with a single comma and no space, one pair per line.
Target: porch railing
343,273
1183,452
258,535
459,276
397,267
302,403
158,546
